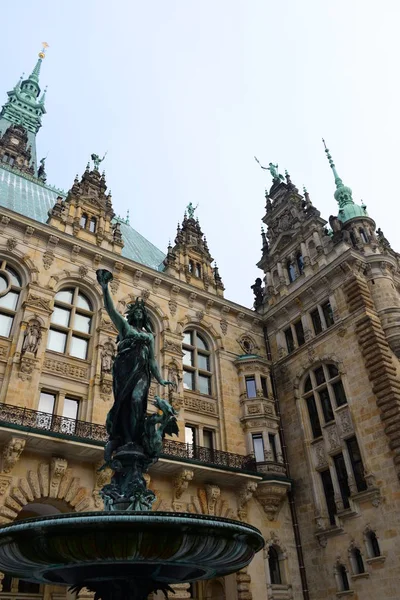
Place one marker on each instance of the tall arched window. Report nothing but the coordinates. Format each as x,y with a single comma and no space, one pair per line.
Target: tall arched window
342,579
10,291
372,544
357,563
274,567
197,371
71,323
83,221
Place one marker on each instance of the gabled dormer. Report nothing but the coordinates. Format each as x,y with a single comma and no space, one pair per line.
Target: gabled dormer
87,211
295,237
190,259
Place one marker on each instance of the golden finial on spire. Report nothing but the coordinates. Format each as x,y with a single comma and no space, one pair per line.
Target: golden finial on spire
42,54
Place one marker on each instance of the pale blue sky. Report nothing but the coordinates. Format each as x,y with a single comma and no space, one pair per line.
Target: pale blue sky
184,93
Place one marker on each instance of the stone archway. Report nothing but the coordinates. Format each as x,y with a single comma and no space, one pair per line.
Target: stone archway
52,481
215,590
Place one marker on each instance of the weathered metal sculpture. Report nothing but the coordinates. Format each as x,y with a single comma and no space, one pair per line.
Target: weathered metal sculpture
135,439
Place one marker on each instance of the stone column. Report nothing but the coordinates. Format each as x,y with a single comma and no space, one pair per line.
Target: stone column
243,580
181,591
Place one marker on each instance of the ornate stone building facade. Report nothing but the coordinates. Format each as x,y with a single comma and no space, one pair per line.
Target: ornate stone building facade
308,381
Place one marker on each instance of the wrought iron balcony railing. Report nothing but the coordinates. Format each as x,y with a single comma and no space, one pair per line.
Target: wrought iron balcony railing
40,422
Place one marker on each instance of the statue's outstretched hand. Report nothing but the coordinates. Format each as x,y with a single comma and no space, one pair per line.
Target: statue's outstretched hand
165,382
104,277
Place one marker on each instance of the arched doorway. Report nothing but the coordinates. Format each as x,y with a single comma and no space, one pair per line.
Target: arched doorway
215,590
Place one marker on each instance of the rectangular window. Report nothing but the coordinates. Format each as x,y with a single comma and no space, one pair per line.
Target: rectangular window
208,439
191,435
341,473
191,439
272,443
204,384
314,418
56,341
316,321
298,327
188,357
70,414
60,316
289,339
79,347
258,445
5,325
203,362
356,463
326,405
328,313
329,495
46,406
264,386
339,392
251,387
188,380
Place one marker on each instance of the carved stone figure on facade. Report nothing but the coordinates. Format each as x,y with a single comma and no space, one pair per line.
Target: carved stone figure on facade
383,242
32,338
335,223
107,358
42,171
258,292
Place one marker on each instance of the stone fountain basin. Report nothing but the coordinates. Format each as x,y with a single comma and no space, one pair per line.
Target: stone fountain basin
72,549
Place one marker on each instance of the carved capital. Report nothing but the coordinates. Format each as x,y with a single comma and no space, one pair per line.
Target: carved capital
11,453
181,482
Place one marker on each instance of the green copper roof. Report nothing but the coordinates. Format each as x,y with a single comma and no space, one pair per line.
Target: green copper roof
27,196
344,196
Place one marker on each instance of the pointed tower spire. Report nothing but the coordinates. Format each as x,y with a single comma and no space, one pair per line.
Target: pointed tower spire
344,195
23,107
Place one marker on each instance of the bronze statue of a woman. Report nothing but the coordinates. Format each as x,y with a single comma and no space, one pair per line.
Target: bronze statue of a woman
133,368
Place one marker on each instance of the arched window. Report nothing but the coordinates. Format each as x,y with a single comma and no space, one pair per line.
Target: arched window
92,224
300,262
10,291
363,235
83,221
342,578
356,560
274,567
372,544
323,392
197,371
71,323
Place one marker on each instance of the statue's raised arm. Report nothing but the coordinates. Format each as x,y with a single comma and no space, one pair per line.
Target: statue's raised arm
104,277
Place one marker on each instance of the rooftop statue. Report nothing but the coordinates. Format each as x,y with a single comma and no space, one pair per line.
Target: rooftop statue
135,439
190,210
97,160
273,169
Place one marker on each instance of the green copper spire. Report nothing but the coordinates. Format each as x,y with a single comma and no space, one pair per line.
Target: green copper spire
344,195
23,106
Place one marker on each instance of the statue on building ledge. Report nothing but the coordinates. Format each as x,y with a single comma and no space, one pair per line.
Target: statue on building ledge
135,439
258,292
